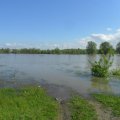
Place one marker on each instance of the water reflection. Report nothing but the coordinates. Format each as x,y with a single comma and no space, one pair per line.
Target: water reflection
91,58
101,84
10,77
117,61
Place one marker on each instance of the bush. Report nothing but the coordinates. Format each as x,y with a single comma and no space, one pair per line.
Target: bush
116,72
101,67
98,70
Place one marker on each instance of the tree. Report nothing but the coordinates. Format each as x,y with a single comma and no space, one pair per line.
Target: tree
56,51
106,48
91,47
118,48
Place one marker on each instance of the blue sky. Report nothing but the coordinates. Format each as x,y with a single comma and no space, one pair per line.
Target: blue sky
58,23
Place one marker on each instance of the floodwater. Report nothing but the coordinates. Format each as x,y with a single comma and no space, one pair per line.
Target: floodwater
72,71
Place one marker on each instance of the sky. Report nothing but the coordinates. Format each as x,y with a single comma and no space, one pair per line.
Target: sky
47,24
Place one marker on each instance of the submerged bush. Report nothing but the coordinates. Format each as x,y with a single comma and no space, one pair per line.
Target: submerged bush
116,72
101,67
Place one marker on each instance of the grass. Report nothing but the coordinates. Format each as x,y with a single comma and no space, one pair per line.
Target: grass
81,109
30,103
109,101
116,72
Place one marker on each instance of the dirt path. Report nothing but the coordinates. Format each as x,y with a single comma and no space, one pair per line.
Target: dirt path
62,94
103,113
64,112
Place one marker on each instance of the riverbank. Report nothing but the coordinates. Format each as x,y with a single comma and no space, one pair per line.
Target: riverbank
56,103
34,103
30,103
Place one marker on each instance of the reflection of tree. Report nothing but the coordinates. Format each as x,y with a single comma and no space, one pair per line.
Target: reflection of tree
13,79
91,58
101,84
117,62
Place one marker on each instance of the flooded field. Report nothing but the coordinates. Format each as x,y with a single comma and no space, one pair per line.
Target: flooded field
71,71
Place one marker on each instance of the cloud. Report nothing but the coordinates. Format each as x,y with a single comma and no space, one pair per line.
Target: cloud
102,37
113,38
8,44
13,45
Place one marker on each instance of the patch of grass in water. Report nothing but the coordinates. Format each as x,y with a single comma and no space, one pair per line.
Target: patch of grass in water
81,109
110,101
116,72
31,103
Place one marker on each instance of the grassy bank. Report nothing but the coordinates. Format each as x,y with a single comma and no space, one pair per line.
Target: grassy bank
27,104
32,103
81,109
110,101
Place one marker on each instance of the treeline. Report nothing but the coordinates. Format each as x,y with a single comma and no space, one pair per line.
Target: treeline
91,48
104,48
38,51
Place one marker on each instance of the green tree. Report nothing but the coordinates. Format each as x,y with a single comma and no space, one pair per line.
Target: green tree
106,48
57,51
91,47
118,48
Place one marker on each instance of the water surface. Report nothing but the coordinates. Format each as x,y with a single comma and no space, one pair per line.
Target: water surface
68,70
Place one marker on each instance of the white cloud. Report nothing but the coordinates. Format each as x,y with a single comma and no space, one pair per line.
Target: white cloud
103,37
12,45
113,38
8,44
15,45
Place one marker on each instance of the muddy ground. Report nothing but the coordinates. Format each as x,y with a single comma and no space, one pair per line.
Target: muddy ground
62,94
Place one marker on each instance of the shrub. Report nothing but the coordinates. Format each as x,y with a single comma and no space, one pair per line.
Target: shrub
101,67
116,72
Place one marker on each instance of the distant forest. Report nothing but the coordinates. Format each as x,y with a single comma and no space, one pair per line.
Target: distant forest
38,51
91,48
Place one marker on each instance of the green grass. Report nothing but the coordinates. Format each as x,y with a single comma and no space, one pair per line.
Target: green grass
31,103
81,109
110,101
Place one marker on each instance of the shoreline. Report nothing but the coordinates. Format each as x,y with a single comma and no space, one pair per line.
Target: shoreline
63,95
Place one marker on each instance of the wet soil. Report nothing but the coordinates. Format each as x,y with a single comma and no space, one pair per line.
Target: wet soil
102,112
62,94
